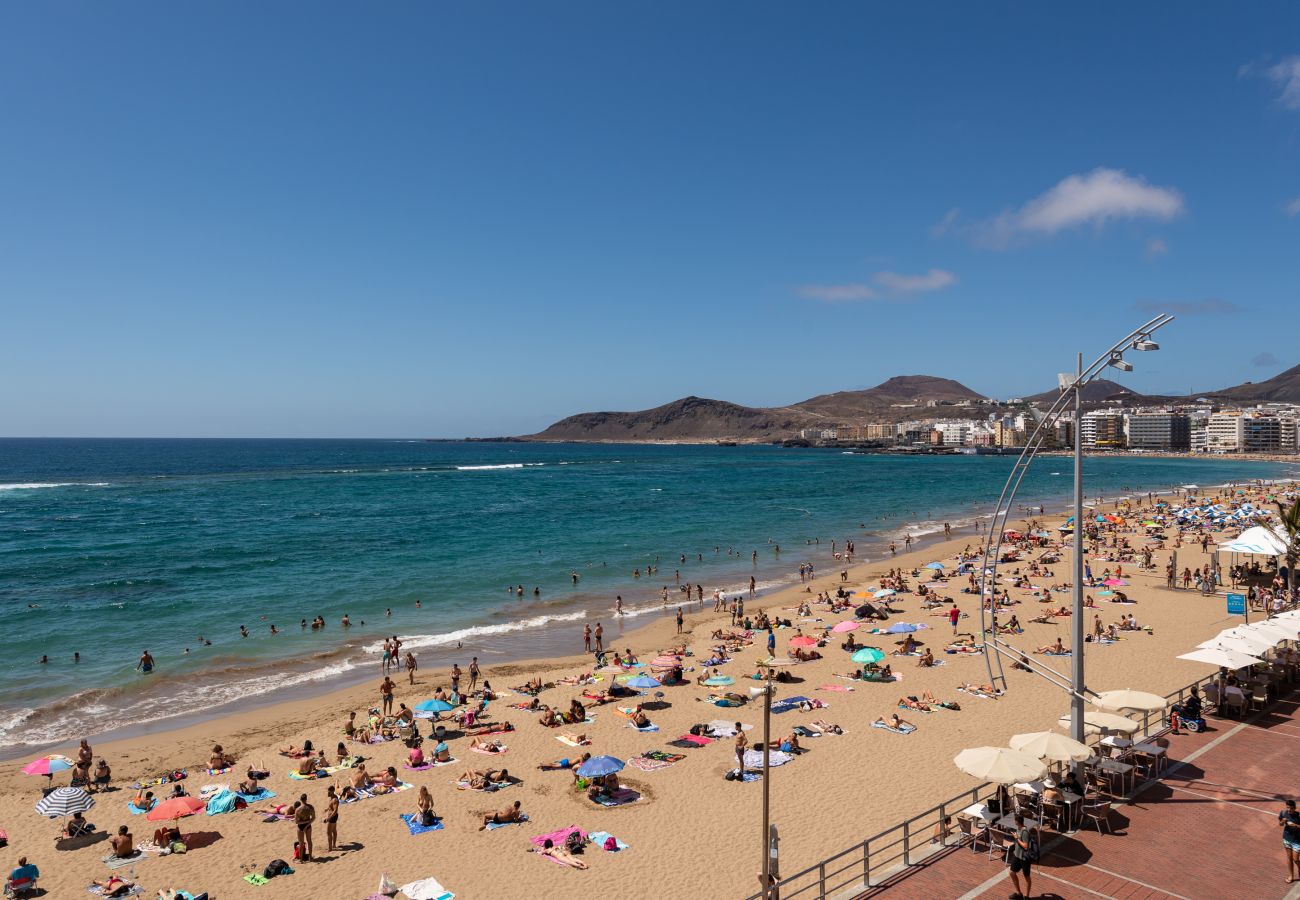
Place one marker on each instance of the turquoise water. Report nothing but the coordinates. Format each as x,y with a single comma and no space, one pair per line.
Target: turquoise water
109,547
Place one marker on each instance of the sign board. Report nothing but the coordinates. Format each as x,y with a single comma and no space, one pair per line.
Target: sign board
1236,604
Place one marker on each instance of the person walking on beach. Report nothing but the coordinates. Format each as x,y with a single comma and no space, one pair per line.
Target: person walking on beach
455,678
953,615
600,638
679,620
1018,860
303,816
742,744
332,820
586,638
410,667
473,674
386,694
388,655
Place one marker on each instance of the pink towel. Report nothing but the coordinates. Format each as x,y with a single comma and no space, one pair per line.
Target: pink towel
697,739
559,837
838,688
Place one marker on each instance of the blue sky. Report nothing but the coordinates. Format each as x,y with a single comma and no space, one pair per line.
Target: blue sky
418,219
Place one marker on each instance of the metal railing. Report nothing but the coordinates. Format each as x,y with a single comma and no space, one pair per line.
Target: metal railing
888,852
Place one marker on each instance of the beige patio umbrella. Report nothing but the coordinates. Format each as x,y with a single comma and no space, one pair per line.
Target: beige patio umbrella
1221,656
1051,746
1140,701
1102,721
1001,765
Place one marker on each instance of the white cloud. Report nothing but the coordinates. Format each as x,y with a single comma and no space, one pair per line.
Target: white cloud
1156,247
1093,198
1286,75
933,280
883,286
944,225
838,293
1293,207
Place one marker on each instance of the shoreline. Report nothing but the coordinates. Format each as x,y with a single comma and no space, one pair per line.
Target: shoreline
514,652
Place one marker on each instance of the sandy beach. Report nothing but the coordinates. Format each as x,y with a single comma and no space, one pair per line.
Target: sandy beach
691,832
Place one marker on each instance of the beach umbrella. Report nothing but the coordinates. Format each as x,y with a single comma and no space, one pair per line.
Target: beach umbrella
1256,643
64,801
599,766
868,655
843,627
1222,657
1104,721
47,765
884,592
934,565
719,680
1140,701
175,808
1051,746
643,682
1001,765
902,628
666,661
1281,631
433,706
803,641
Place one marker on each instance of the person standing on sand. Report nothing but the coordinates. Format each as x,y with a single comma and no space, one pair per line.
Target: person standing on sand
386,694
600,638
953,615
679,620
332,820
753,586
742,744
473,674
303,816
586,638
410,667
455,678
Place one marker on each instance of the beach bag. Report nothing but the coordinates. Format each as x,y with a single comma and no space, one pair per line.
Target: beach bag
426,818
611,844
276,867
574,842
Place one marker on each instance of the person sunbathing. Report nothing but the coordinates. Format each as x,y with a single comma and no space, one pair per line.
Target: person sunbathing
387,783
548,719
565,763
511,813
248,786
598,699
559,854
166,835
577,712
296,752
575,737
308,765
909,645
1022,664
487,746
144,801
894,721
488,727
114,886
913,703
927,658
790,743
75,827
972,688
639,718
927,697
1061,611
1057,648
415,759
826,727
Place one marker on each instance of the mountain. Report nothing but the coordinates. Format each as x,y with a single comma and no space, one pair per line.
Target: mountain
1097,391
1283,388
914,389
688,419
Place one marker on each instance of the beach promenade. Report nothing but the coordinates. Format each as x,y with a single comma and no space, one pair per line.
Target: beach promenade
1207,828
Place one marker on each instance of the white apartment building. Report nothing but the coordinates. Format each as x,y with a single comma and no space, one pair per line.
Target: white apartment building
1225,433
1102,428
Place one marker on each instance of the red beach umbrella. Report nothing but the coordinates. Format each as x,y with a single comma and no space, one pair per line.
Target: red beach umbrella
803,641
175,808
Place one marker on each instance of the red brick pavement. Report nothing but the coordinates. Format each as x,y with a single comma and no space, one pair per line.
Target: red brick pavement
1208,830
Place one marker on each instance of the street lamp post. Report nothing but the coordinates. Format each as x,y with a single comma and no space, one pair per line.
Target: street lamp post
767,738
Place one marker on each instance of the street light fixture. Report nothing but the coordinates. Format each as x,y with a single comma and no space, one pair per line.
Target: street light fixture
994,647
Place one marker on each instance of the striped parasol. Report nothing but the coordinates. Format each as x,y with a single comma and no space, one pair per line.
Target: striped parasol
64,801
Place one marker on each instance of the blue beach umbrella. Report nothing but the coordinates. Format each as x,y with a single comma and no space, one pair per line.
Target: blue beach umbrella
934,565
902,628
868,655
599,766
433,706
642,682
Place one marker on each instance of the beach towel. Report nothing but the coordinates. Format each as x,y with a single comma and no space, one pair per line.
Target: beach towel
748,776
320,773
135,810
500,752
276,817
492,786
1056,654
663,756
558,838
413,824
601,838
256,879
493,826
785,704
166,778
427,889
652,727
219,771
572,743
98,891
367,794
837,688
224,802
937,662
620,797
754,758
117,862
694,740
980,694
906,729
649,765
913,709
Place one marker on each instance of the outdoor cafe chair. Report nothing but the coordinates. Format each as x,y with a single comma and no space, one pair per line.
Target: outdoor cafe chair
967,827
1099,813
998,840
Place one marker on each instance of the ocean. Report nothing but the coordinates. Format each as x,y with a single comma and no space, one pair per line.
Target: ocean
112,547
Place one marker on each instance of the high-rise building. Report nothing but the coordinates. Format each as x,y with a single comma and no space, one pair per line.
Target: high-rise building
1102,428
1225,433
1262,434
1159,431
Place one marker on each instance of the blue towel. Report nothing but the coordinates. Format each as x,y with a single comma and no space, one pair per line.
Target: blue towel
263,794
788,703
416,828
493,826
598,839
649,728
135,810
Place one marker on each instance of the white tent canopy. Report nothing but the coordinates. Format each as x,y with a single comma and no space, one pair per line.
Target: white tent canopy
1257,540
1221,656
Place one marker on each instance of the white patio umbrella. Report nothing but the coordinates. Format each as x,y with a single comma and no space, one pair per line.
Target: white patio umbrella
1222,657
1280,631
1103,721
1051,746
1291,615
1001,765
1257,642
1140,701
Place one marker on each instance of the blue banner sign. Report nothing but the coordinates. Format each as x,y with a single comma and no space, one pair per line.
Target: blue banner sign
1236,604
